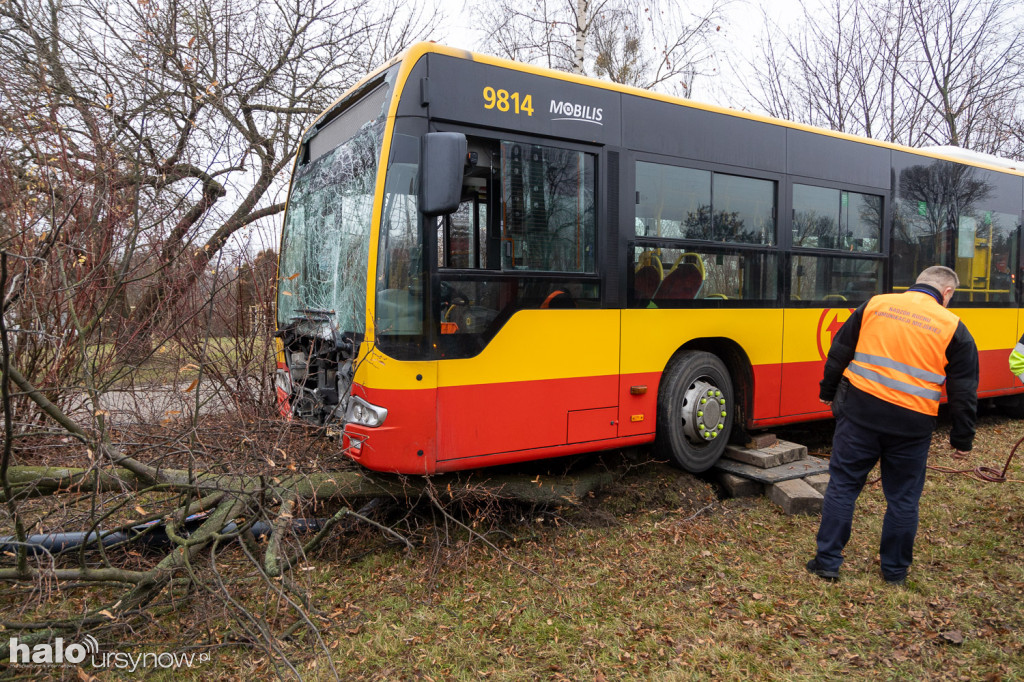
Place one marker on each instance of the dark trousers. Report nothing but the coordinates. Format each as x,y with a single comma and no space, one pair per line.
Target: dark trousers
855,450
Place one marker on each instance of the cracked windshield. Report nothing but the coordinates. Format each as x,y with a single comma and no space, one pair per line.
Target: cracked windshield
327,233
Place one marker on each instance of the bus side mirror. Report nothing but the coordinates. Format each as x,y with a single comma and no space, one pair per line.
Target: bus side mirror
442,160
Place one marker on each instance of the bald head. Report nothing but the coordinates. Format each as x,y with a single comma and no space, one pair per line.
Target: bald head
942,278
939,276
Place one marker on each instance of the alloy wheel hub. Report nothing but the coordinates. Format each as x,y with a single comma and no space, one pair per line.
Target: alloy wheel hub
704,412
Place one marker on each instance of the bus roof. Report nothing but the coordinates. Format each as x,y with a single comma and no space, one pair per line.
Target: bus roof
948,153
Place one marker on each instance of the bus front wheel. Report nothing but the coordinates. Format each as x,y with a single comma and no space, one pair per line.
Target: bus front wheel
695,411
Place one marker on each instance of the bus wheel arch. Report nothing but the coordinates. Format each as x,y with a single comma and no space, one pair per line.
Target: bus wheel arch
699,405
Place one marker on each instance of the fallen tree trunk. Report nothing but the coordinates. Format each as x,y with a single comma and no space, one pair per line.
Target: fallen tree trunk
231,506
35,481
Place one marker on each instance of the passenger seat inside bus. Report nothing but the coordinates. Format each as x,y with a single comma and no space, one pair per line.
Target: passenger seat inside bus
683,282
559,298
647,277
645,282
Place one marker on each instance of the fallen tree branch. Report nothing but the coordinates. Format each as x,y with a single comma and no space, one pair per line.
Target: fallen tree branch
160,575
114,575
347,485
275,565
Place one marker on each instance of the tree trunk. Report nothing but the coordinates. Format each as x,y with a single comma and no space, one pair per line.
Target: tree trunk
30,481
582,24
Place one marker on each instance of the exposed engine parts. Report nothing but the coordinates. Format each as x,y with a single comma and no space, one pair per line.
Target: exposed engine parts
319,377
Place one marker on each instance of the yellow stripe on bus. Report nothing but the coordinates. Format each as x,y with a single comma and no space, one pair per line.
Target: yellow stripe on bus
650,337
543,344
533,345
992,328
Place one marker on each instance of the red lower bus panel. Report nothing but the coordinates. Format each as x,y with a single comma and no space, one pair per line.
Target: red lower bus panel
767,385
802,404
485,419
485,425
799,395
638,403
995,375
591,425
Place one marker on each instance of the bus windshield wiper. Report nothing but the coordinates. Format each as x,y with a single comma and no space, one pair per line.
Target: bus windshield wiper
312,312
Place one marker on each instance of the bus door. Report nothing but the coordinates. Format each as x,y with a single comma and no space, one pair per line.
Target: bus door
548,378
528,359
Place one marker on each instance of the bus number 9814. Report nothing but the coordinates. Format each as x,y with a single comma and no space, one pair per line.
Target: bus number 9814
503,100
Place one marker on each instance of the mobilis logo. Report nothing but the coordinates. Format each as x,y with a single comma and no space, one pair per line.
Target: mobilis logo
569,111
57,652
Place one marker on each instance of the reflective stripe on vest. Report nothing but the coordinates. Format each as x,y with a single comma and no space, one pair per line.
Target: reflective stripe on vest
901,352
906,369
896,384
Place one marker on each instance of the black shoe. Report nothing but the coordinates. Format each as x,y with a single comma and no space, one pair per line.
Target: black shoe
814,567
896,582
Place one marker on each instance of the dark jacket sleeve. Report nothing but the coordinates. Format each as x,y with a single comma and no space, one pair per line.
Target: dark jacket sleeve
840,354
962,387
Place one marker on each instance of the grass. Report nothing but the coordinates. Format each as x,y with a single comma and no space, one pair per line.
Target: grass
657,579
678,594
172,363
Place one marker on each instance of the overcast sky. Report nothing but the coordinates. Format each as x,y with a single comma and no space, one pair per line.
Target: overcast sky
736,44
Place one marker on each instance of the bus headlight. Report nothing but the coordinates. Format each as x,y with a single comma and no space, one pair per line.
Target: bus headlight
363,413
283,381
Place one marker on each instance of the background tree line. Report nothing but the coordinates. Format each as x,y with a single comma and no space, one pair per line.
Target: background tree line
914,72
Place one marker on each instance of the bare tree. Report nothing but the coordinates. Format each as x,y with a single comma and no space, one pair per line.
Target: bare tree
840,71
189,111
644,43
546,32
941,72
136,140
971,67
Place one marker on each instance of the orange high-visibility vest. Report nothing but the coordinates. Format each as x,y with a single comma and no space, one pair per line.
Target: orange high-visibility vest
901,352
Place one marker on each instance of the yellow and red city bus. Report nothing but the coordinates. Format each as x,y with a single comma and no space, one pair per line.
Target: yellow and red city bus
485,262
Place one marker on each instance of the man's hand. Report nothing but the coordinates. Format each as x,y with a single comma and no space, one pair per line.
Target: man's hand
960,454
827,402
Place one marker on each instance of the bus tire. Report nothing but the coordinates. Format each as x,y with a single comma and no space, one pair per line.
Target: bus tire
695,411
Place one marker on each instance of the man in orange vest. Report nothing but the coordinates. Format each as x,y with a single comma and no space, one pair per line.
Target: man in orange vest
884,377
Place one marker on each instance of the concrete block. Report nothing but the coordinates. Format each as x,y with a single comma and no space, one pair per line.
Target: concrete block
737,486
761,440
796,496
789,452
800,468
818,481
783,452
